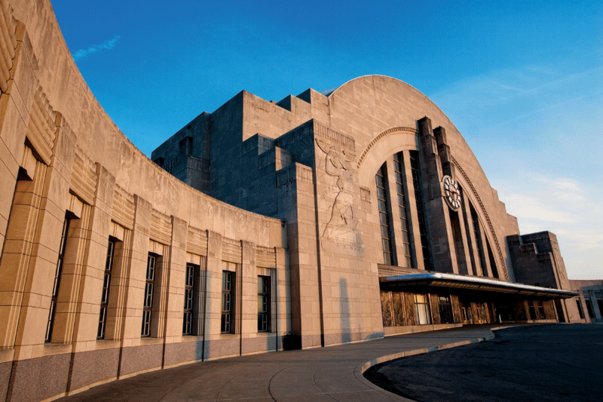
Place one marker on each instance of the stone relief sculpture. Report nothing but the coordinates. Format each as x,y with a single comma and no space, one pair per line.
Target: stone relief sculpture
341,221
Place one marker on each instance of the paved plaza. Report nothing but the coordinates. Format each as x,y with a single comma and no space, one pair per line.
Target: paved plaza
323,374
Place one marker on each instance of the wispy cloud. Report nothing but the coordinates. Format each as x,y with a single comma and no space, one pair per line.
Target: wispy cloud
537,130
99,47
567,207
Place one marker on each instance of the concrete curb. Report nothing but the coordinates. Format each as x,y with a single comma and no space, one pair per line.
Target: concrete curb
386,358
359,371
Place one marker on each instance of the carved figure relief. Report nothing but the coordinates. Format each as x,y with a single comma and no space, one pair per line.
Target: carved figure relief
341,222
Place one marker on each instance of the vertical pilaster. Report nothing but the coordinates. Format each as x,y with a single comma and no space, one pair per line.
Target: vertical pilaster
249,294
17,255
282,313
438,221
73,271
14,114
45,247
297,206
175,283
139,250
93,264
213,297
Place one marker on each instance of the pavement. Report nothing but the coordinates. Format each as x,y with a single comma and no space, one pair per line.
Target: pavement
323,374
527,363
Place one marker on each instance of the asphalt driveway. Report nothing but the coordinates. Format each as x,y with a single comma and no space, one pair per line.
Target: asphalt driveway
529,363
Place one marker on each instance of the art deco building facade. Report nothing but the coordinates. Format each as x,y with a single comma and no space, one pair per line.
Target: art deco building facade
317,220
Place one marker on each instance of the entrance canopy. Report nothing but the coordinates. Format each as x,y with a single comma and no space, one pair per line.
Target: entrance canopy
441,281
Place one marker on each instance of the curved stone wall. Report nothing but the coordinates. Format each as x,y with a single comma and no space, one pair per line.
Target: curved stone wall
64,160
377,110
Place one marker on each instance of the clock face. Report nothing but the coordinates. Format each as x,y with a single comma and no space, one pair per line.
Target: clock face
452,192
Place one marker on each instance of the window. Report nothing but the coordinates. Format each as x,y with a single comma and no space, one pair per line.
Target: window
186,145
445,310
423,315
407,241
102,320
264,304
540,310
536,309
580,310
492,261
190,299
589,309
415,169
57,279
459,246
228,298
468,233
478,241
147,307
387,238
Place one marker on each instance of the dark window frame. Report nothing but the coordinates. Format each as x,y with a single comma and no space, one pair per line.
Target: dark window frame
580,309
385,216
408,246
104,304
445,308
415,169
264,303
191,292
227,322
57,279
149,290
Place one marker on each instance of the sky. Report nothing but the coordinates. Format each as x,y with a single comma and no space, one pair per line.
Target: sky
521,80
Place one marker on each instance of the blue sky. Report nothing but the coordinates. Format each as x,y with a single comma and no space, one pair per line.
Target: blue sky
522,80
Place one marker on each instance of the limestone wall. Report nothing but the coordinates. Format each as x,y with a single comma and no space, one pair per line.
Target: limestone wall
63,159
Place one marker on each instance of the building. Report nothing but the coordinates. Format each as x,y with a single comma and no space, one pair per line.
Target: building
590,299
318,220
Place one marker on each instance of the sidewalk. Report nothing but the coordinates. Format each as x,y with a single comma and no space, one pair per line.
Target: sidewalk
324,374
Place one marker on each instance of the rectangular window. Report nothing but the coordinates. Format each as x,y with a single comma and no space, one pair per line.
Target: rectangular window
478,241
532,310
407,240
468,233
445,310
264,303
57,279
423,314
415,169
580,309
492,261
540,310
459,246
149,288
589,309
190,299
387,238
228,300
102,320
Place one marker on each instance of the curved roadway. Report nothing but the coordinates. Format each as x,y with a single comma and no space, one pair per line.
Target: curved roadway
527,363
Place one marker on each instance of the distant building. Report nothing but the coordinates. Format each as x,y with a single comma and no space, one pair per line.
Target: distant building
321,219
591,298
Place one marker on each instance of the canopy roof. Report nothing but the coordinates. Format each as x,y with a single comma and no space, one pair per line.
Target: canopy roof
472,283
